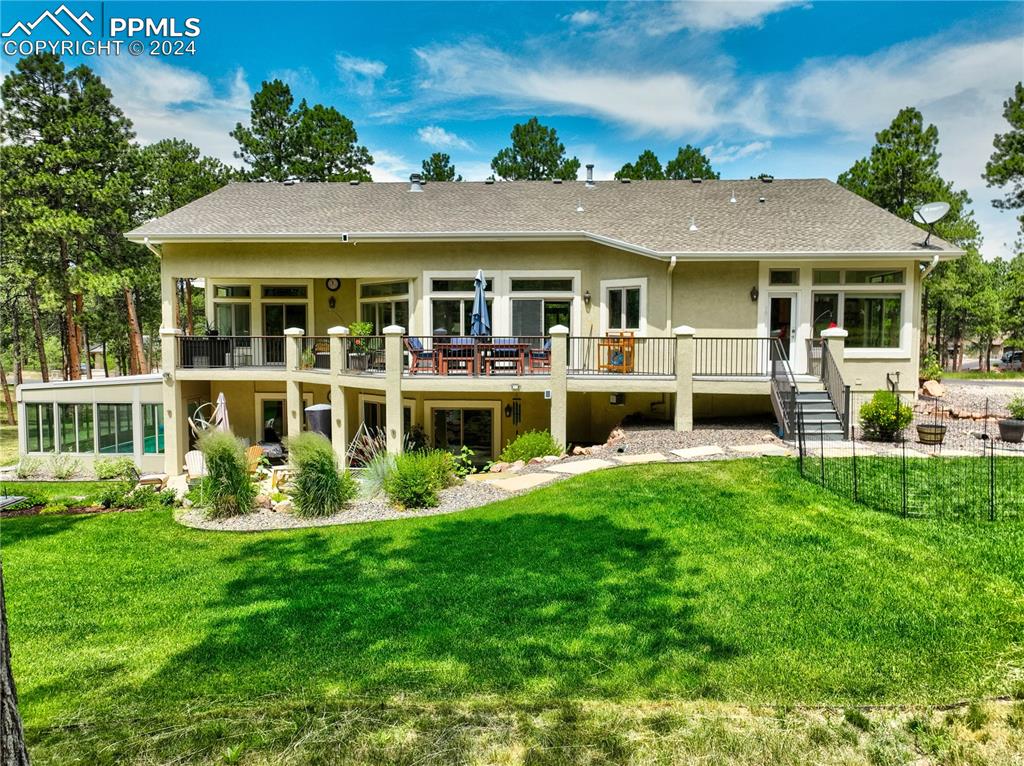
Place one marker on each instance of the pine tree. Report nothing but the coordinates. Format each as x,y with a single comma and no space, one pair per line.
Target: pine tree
646,168
438,167
536,154
690,162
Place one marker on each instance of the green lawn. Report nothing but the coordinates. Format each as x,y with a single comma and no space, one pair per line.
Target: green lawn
606,597
981,375
66,491
8,445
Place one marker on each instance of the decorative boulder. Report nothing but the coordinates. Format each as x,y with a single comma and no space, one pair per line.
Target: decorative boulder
517,466
499,467
933,389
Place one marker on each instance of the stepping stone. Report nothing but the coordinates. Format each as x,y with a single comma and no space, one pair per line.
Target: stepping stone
580,466
910,452
1004,452
955,453
520,483
759,450
689,453
647,457
841,449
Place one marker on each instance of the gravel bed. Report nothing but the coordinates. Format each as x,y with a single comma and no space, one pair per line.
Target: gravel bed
459,498
962,433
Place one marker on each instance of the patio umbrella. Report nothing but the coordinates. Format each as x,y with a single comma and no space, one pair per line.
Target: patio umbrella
220,414
481,320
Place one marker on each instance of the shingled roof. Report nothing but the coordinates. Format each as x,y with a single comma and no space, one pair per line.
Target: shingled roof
651,217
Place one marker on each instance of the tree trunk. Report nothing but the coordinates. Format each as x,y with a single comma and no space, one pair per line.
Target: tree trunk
189,319
80,306
70,319
12,737
7,395
138,358
106,370
16,351
37,328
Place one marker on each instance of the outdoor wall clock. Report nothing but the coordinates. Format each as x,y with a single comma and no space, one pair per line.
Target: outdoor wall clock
333,284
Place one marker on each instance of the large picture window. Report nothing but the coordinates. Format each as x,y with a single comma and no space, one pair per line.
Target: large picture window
384,303
873,320
39,427
624,308
76,434
114,426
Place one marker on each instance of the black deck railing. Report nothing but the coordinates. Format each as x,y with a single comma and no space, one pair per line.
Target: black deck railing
837,390
622,355
316,353
472,356
230,351
732,357
784,389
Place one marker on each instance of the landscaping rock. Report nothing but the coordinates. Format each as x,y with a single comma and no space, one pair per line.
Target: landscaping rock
499,467
264,501
617,434
186,503
517,466
284,506
934,389
551,458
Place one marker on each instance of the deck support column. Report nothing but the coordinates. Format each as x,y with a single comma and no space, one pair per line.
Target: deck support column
393,364
835,339
685,348
339,413
293,387
559,383
175,409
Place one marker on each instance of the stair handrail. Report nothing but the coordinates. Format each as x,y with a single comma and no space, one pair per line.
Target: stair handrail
784,388
838,391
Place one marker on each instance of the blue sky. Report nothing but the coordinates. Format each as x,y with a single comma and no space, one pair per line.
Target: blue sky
793,89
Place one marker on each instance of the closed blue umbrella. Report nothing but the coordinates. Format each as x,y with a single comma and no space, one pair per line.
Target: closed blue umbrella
481,319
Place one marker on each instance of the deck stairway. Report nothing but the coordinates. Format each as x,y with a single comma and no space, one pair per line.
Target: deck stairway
820,418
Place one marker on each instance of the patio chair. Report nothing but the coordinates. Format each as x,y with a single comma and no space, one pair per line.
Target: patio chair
253,458
539,359
158,480
195,466
504,352
420,359
460,352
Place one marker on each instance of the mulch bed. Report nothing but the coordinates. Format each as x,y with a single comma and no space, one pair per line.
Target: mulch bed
82,511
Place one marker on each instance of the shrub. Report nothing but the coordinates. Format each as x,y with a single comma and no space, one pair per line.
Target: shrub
64,466
529,445
885,416
53,508
28,467
319,486
462,463
375,473
930,368
1016,408
416,478
121,494
116,495
115,468
227,489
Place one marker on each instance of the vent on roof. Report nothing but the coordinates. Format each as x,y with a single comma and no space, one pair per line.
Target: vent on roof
416,182
354,182
732,199
696,180
765,178
556,180
489,181
624,180
693,224
291,181
590,175
761,198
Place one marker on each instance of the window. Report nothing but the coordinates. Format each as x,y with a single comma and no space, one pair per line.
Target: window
384,289
76,428
872,321
784,277
883,277
114,425
284,291
624,308
384,303
459,285
232,318
454,315
39,427
536,316
232,291
278,317
826,276
152,429
473,428
557,285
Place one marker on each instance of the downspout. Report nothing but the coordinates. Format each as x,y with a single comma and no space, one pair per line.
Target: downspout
930,267
668,290
152,248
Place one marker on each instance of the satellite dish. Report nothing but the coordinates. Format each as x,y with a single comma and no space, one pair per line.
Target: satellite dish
929,214
932,212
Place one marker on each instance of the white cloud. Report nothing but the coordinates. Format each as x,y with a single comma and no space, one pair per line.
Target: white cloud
723,154
165,101
359,75
659,19
668,102
388,166
437,137
584,18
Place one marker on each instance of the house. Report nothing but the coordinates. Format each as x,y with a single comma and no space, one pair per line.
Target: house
665,300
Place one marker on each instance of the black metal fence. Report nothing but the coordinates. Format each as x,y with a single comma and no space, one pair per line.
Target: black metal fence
232,351
971,475
622,355
738,357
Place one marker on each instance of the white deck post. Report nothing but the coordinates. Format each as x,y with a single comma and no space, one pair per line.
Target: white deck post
339,414
559,383
393,387
685,350
293,388
835,339
175,416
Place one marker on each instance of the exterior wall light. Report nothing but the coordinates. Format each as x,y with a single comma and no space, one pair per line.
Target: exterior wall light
754,293
586,298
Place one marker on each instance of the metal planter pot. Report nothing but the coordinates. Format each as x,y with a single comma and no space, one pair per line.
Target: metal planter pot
931,433
1011,430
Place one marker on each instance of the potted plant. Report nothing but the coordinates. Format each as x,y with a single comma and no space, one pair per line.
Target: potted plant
1011,429
931,433
885,416
359,332
308,359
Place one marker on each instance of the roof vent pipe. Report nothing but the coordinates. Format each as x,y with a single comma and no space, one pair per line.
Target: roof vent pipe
416,182
590,175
